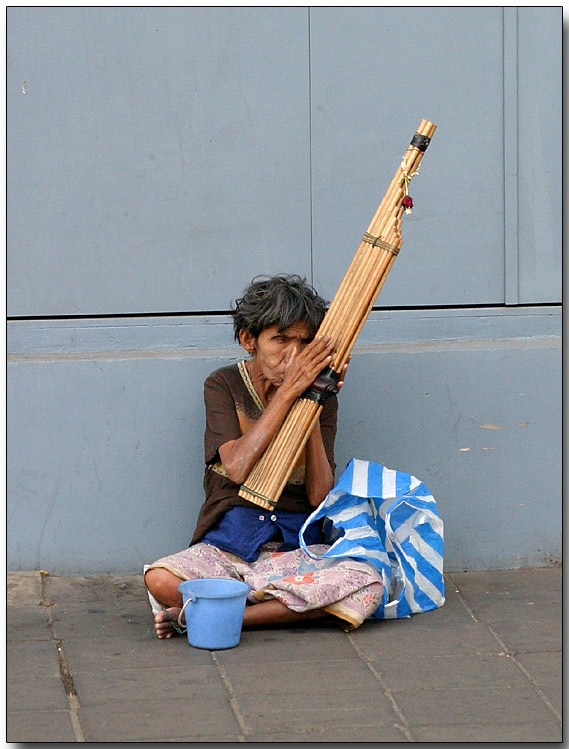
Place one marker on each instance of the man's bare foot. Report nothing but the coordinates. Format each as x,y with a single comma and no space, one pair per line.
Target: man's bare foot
164,622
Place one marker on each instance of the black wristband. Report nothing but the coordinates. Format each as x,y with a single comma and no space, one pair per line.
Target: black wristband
323,387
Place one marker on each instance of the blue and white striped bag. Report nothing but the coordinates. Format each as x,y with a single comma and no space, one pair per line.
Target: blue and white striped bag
389,519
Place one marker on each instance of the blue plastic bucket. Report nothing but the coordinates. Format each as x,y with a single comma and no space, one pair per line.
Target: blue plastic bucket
214,611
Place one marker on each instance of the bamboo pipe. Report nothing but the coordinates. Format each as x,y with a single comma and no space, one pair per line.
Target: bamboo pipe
385,230
343,322
392,197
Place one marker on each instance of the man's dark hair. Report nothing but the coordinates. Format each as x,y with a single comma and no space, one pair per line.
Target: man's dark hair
280,300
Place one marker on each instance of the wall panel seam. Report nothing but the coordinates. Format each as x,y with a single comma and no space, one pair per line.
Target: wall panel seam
511,160
311,217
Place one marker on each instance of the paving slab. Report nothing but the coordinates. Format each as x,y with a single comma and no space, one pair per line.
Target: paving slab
132,684
543,583
25,726
33,676
90,589
27,623
103,618
421,636
306,709
353,733
468,671
31,659
455,706
136,652
533,732
323,677
159,719
23,588
39,693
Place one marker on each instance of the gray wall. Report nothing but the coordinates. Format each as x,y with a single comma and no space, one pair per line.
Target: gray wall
161,157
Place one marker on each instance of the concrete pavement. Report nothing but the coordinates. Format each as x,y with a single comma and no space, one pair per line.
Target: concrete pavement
83,664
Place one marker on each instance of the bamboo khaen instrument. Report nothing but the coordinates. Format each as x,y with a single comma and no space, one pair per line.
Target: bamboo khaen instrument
343,322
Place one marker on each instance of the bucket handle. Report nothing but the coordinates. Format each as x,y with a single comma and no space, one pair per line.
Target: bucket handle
188,600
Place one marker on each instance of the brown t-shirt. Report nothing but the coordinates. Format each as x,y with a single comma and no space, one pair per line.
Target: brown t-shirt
232,406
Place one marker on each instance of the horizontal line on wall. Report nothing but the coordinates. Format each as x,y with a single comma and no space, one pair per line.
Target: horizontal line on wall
118,316
235,354
224,313
196,333
471,344
142,353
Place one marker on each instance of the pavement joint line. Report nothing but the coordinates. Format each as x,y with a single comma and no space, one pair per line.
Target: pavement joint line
462,598
67,679
232,698
404,726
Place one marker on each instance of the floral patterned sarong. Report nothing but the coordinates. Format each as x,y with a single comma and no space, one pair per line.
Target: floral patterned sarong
346,588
